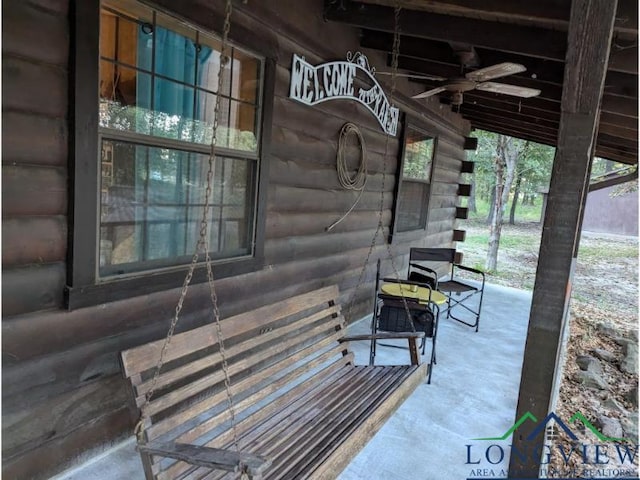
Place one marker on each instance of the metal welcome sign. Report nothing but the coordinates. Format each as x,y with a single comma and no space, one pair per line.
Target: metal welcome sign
335,80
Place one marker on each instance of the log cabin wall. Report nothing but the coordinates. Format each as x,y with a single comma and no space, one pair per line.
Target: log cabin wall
63,394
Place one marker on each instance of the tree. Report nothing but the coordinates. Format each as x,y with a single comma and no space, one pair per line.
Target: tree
533,172
508,151
482,180
471,204
514,202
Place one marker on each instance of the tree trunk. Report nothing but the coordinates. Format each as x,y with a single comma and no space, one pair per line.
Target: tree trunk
505,168
495,226
516,194
492,204
471,204
495,213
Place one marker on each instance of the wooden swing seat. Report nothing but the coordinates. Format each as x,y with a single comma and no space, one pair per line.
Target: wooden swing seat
302,408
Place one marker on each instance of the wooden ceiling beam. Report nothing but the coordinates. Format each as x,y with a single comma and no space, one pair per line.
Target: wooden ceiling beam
525,40
616,83
482,109
516,123
513,132
615,154
623,146
619,83
552,14
535,103
619,132
409,46
470,98
619,106
619,120
610,182
533,41
607,139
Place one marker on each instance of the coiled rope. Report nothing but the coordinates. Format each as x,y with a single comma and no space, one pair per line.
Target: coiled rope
358,180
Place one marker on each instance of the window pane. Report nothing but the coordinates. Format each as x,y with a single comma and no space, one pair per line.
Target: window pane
237,126
242,127
126,35
246,77
175,51
125,98
209,66
418,155
412,206
152,202
173,105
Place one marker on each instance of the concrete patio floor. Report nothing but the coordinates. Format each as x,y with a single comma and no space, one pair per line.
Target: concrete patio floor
473,393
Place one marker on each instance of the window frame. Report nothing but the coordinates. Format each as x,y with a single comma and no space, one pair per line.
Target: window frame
396,234
84,287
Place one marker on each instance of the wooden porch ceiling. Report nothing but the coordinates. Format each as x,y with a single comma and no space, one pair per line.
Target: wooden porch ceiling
520,31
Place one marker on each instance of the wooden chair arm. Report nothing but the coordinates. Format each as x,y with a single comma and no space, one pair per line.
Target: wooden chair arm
215,458
382,336
410,336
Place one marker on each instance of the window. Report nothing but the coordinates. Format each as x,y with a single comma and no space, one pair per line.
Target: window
415,183
156,83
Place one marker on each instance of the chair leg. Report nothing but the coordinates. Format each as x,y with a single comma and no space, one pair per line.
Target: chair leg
476,313
372,348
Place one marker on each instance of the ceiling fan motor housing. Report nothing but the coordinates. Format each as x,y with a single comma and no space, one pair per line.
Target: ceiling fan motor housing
456,98
460,85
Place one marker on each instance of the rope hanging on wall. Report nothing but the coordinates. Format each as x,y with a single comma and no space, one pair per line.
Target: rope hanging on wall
358,181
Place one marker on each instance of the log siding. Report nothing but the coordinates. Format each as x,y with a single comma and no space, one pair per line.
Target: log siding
63,392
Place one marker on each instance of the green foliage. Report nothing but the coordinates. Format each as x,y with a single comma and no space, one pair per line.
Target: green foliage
417,159
524,213
534,167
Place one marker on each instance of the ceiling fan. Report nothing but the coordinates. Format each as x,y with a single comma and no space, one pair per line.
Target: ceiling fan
477,80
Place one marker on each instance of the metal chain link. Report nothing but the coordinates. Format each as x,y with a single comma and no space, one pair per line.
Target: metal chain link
202,244
380,228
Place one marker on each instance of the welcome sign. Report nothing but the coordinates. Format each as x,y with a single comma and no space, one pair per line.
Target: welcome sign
336,80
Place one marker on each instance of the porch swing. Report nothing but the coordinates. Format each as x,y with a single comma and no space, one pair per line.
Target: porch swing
270,393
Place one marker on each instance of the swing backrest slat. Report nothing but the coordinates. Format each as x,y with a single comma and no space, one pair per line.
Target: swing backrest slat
273,353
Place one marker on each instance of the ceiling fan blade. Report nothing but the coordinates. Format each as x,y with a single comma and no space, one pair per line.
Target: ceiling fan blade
425,76
495,71
430,93
506,89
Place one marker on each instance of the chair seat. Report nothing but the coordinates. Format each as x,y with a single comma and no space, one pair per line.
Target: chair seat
456,287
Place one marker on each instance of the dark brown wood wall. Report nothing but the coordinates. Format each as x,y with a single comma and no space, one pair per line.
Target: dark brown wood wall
62,389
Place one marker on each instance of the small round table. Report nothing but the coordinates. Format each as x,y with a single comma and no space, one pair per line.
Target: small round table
421,294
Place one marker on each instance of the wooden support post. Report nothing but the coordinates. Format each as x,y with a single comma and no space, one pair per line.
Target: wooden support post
590,31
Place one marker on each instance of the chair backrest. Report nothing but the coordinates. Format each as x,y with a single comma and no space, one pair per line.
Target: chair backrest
432,255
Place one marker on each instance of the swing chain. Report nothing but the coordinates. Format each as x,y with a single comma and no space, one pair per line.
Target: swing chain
202,244
380,228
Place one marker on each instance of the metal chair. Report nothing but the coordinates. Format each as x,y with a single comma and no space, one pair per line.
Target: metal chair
390,315
458,292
